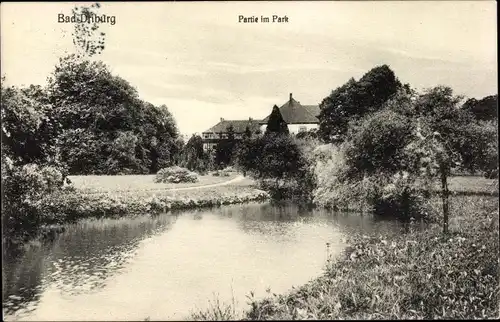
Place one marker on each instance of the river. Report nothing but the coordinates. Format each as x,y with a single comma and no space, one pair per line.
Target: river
166,266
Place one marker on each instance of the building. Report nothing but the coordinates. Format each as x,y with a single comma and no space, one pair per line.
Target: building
299,118
217,132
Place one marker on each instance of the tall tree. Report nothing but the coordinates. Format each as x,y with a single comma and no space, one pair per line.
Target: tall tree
448,137
25,127
225,148
88,39
354,99
193,156
243,158
89,103
485,109
276,123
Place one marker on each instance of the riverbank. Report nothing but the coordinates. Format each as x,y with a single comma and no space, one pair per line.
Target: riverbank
419,275
71,205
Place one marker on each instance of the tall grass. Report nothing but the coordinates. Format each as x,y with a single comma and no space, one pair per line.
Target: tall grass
217,311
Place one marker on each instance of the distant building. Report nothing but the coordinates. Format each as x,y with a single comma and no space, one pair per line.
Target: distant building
213,135
299,118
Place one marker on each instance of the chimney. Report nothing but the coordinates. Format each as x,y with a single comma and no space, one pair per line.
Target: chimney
250,119
222,119
290,96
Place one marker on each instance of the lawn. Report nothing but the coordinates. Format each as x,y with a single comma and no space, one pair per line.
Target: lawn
473,185
129,183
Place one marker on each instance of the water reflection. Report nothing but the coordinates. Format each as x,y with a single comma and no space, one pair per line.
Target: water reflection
130,269
79,261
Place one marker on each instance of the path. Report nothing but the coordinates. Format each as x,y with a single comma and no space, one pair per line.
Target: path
238,178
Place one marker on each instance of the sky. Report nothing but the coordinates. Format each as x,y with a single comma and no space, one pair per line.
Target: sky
196,58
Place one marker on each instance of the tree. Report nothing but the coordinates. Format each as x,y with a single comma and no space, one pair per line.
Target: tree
446,136
377,144
225,148
353,100
276,123
242,157
87,38
193,156
85,96
25,130
486,109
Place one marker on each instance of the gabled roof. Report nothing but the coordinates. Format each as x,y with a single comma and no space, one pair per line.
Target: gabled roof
293,112
239,126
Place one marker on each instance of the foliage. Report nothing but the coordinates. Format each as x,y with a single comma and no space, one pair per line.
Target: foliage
276,123
86,99
353,100
217,311
279,162
226,172
22,186
86,36
308,135
175,174
377,144
244,158
225,149
485,109
63,207
330,171
193,156
25,127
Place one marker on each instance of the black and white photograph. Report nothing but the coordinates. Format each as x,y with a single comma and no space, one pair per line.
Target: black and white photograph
249,160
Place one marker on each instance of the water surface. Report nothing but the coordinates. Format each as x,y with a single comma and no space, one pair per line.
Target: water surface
166,266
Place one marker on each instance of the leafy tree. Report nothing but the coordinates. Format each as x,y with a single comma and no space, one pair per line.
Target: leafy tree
485,109
25,127
355,99
276,123
193,156
225,148
377,144
87,38
242,157
85,97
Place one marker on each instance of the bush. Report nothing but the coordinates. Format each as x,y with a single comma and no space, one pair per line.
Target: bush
226,172
400,198
175,174
22,187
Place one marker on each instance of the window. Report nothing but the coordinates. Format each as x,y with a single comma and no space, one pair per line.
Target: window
206,136
302,128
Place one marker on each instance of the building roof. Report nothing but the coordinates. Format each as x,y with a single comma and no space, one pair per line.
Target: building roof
293,112
239,126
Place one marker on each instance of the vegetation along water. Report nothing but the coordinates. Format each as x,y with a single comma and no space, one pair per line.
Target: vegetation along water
389,209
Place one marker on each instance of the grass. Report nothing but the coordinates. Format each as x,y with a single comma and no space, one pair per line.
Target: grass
128,183
217,311
419,275
473,185
69,206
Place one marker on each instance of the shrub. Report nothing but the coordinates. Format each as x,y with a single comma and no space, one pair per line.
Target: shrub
400,198
21,188
175,174
226,172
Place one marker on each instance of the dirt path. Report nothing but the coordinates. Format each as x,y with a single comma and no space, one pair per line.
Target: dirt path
238,178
